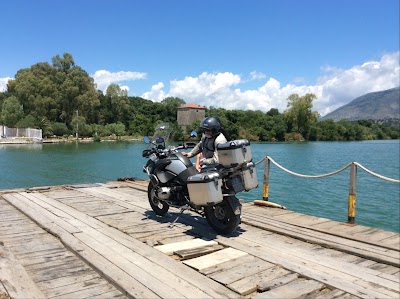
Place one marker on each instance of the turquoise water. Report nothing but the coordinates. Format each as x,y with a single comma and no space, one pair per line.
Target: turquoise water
378,201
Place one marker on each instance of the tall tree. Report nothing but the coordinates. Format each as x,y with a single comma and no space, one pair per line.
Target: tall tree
64,63
171,104
299,115
118,103
11,111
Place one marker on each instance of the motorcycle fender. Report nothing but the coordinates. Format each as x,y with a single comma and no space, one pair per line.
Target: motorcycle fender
235,204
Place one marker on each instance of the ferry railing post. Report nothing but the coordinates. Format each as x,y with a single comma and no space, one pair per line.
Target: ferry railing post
352,194
266,179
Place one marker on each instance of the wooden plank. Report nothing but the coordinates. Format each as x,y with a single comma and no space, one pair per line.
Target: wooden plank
215,258
238,272
113,273
210,287
14,278
63,281
334,264
63,193
366,250
65,212
250,284
76,267
31,209
169,249
49,256
130,262
228,264
333,278
196,252
333,227
173,239
162,280
279,281
295,289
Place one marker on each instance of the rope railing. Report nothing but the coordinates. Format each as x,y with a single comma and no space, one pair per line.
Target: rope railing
352,188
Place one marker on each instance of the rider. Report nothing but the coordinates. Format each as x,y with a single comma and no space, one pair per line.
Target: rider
207,146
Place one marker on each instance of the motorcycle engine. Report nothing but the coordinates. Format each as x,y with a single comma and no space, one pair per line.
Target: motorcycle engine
164,193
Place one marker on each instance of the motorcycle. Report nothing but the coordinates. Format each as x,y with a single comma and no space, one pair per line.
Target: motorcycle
175,181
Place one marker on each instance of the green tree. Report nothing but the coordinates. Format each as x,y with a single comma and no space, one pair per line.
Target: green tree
117,129
299,115
118,103
11,111
170,105
64,63
60,129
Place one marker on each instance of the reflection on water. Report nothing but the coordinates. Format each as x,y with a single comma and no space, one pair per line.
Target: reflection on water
27,147
378,201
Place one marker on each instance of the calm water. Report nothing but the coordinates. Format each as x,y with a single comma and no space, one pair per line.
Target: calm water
378,201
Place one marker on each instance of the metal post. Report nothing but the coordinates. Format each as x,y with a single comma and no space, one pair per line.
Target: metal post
352,194
266,179
77,127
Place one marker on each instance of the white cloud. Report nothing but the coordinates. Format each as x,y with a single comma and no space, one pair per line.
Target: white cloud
257,75
336,88
3,83
104,78
156,94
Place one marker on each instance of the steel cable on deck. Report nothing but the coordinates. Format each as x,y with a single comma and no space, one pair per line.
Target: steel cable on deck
327,174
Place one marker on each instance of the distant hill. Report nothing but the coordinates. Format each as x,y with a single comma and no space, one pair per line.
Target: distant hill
378,106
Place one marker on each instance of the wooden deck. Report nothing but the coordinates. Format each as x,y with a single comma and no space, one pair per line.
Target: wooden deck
103,241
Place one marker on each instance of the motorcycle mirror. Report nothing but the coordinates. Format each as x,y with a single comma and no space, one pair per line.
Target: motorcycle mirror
146,139
193,134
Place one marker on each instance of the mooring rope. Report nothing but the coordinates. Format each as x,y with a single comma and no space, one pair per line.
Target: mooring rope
327,174
375,174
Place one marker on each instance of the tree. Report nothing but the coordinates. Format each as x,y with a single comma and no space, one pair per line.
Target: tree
171,105
299,115
64,63
118,103
117,129
11,111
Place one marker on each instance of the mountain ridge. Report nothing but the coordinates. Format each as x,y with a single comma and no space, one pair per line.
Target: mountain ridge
380,105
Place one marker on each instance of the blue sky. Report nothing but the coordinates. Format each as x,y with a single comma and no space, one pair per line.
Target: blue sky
223,53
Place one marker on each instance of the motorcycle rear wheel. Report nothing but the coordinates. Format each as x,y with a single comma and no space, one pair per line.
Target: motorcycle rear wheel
159,207
222,218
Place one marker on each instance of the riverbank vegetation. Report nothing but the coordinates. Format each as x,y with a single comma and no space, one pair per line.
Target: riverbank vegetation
62,100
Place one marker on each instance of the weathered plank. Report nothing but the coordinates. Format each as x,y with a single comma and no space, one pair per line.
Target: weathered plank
366,250
214,258
251,283
169,249
14,278
271,284
196,252
269,239
238,272
294,289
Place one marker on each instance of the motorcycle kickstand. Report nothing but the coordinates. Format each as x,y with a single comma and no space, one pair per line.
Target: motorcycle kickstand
176,219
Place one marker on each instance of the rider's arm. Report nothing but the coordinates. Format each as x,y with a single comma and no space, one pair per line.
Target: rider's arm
196,150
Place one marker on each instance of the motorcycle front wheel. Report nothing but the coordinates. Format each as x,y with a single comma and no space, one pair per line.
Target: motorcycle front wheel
159,207
222,218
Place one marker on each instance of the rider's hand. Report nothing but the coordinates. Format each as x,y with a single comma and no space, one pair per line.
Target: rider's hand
186,154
